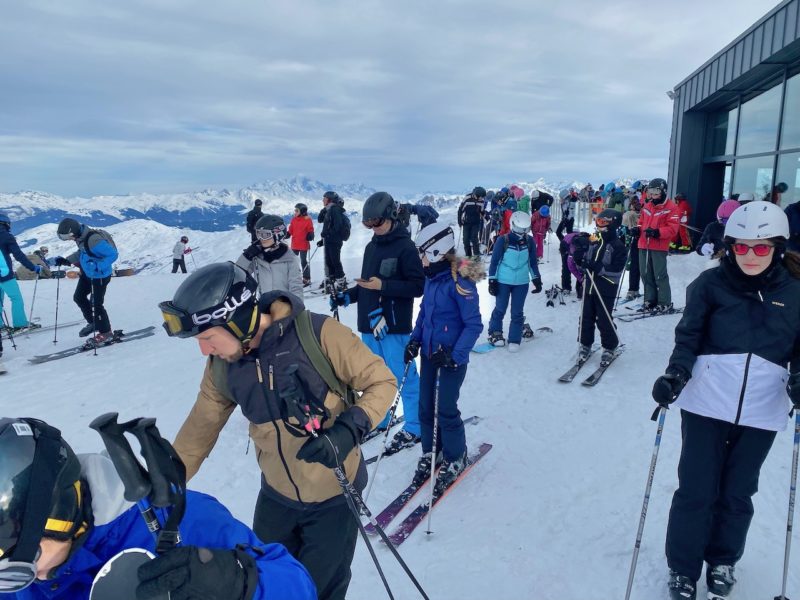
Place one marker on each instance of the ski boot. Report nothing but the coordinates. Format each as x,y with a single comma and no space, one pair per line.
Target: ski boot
306,282
720,580
87,329
607,356
341,284
401,440
448,474
663,308
648,307
681,587
513,348
424,468
527,332
584,352
632,295
496,339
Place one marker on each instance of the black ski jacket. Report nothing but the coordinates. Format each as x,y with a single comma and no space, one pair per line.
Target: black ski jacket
394,259
605,259
713,233
9,246
469,212
332,219
252,217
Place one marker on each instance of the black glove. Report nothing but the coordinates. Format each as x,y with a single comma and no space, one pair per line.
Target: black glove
668,387
61,261
635,232
441,359
252,251
189,572
332,446
537,285
411,352
652,232
320,243
309,236
493,287
793,389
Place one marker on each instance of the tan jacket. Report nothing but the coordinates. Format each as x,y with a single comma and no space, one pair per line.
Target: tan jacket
24,274
353,363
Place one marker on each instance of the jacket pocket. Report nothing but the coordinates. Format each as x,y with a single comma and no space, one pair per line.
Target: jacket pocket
388,267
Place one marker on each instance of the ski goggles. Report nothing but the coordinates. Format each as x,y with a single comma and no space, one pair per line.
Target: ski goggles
602,222
759,249
17,575
264,235
375,222
65,237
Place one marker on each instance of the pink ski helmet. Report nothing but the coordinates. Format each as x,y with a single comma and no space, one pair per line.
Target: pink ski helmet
725,210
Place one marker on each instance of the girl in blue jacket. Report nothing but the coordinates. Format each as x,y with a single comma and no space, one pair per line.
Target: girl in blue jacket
447,327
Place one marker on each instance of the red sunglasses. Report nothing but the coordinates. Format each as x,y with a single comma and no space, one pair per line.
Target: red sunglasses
758,249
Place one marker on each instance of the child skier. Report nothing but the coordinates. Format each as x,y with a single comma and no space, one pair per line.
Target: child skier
513,266
603,263
269,261
711,243
540,225
728,374
447,327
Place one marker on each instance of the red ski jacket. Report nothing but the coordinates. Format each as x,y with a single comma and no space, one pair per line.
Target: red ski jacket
299,229
665,218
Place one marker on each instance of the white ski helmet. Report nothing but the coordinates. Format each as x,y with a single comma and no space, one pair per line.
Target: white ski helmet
746,197
757,220
520,222
436,240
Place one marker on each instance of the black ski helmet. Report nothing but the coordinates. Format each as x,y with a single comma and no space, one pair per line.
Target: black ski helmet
272,224
658,184
220,294
184,239
332,196
611,219
40,492
479,192
69,229
379,206
259,202
302,208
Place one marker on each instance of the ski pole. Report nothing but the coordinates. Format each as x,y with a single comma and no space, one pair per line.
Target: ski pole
392,411
790,517
583,301
58,288
33,300
602,303
622,279
433,446
651,474
194,262
8,329
94,317
332,283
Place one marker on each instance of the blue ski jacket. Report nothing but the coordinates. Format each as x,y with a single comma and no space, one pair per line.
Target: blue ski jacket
96,253
9,246
514,260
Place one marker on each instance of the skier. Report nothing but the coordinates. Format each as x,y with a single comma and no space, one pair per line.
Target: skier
712,243
37,257
682,241
524,204
301,231
269,261
540,226
540,199
658,223
335,231
260,355
630,224
727,374
4,270
603,263
254,215
513,266
95,256
448,325
426,214
391,277
64,516
577,245
8,283
469,219
179,252
569,201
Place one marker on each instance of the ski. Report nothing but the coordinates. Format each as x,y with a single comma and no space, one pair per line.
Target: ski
372,459
595,377
573,371
647,315
376,432
487,347
411,522
118,337
26,331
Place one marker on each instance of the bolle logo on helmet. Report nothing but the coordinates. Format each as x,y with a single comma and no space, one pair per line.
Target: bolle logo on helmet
222,312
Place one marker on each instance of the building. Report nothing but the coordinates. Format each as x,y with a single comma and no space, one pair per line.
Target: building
736,119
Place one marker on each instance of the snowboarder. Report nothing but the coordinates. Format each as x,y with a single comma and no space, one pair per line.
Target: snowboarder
179,252
391,277
261,353
712,243
301,231
95,257
254,215
728,375
65,515
469,219
448,325
630,224
335,231
37,257
540,227
8,283
604,264
269,261
658,223
512,268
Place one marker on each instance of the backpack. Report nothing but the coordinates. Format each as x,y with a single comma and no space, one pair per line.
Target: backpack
345,228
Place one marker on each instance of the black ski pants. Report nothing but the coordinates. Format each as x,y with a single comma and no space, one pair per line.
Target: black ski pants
635,276
178,262
717,478
323,540
594,314
566,276
306,266
333,259
91,292
471,246
564,225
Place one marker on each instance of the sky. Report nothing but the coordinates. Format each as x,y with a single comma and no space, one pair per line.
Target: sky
161,96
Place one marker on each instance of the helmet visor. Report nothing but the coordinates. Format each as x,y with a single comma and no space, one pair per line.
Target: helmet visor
16,575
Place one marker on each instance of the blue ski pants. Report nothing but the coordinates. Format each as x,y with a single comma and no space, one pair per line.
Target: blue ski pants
391,349
450,437
10,288
517,295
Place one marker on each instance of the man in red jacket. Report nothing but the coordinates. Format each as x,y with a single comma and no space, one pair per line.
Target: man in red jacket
658,225
301,231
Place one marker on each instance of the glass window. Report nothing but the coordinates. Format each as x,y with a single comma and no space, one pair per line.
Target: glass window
753,175
790,136
789,175
726,182
721,133
758,125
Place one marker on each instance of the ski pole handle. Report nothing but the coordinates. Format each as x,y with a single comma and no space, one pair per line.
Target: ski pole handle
161,490
128,467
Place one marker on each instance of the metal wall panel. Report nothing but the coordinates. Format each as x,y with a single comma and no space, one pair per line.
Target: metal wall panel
769,35
780,25
747,53
758,46
790,33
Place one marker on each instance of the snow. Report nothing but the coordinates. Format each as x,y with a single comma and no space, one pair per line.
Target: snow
550,513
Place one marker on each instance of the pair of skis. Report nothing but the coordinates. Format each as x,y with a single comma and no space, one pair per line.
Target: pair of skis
487,347
648,314
118,337
372,459
595,377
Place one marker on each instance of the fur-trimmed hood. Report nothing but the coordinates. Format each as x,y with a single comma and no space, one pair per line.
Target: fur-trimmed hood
473,270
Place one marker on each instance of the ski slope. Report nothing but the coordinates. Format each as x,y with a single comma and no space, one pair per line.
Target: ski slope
551,512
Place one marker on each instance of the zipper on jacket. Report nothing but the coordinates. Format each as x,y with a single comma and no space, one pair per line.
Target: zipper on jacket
271,379
744,387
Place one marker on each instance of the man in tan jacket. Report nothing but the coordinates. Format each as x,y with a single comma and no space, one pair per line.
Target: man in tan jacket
37,257
259,357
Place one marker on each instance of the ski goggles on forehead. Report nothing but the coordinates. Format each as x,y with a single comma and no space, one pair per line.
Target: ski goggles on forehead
17,575
371,223
758,249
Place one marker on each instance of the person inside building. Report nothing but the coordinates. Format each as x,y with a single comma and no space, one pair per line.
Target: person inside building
301,232
269,261
179,252
37,257
793,214
63,516
335,232
658,223
8,283
469,219
265,356
252,217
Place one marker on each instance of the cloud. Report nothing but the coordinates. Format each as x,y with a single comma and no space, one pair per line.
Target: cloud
151,96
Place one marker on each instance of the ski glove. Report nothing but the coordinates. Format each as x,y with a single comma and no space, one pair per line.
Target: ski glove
536,282
252,251
310,237
652,232
37,269
707,249
190,572
493,287
331,447
61,261
668,387
377,323
636,232
441,359
793,389
320,243
341,299
411,352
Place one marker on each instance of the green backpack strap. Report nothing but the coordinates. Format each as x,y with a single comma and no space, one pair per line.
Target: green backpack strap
323,366
219,376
